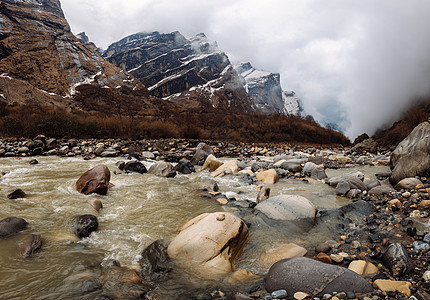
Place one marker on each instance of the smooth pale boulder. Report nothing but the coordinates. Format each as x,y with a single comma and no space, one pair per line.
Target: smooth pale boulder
313,277
412,156
268,177
95,180
282,252
230,167
408,184
212,163
209,244
288,208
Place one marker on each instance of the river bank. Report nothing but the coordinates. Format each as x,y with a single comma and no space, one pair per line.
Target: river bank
339,236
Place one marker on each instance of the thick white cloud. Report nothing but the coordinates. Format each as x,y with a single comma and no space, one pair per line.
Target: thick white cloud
357,63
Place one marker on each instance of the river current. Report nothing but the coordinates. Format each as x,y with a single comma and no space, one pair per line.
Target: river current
138,210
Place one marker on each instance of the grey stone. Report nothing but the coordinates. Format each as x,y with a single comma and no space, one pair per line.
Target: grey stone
162,169
313,277
397,260
342,188
11,226
381,190
280,294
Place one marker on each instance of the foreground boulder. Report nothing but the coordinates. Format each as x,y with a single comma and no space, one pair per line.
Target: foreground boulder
11,226
95,180
209,244
85,224
314,278
412,156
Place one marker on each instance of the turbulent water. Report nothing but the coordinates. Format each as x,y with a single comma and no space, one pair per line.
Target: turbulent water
138,210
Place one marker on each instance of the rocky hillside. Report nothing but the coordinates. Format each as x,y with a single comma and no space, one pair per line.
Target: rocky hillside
191,70
266,92
37,46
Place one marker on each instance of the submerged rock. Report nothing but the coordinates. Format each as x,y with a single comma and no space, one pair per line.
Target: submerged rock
313,277
11,226
29,245
95,180
162,169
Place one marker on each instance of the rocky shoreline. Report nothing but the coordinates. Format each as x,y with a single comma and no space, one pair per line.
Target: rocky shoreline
383,234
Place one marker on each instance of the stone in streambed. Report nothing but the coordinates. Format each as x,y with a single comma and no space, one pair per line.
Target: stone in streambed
135,166
407,184
29,245
212,163
11,226
313,277
393,286
85,224
282,252
95,180
230,167
162,169
268,177
184,166
155,262
209,244
397,260
16,194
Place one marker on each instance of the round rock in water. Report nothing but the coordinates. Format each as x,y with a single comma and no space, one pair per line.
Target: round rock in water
95,180
11,225
84,225
313,277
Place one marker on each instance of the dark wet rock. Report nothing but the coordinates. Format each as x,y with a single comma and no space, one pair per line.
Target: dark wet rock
381,190
29,245
84,225
123,283
162,169
372,184
16,194
342,188
135,166
33,162
37,151
51,144
11,226
313,277
215,187
397,260
95,180
184,166
202,152
411,157
120,165
36,144
368,145
292,165
155,262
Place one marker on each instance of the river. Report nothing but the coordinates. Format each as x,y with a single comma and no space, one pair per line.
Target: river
139,209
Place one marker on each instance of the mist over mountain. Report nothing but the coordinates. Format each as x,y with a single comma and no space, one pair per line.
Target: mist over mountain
357,64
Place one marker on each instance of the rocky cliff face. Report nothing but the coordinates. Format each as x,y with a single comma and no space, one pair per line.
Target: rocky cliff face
265,90
37,46
191,71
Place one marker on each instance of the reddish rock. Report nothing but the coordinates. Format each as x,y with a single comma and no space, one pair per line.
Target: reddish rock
95,180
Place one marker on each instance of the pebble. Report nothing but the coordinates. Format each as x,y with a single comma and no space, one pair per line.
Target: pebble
336,258
300,296
280,294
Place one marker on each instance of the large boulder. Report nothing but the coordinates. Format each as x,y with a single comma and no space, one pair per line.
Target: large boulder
407,184
162,169
412,156
313,277
11,225
209,244
289,208
95,180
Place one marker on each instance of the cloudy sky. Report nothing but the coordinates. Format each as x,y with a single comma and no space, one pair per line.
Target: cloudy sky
356,63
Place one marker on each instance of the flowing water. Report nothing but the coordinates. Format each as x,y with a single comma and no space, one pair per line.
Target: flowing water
138,210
